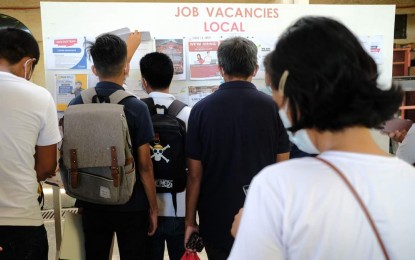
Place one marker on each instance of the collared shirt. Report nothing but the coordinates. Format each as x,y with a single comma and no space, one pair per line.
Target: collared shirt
141,132
235,132
164,200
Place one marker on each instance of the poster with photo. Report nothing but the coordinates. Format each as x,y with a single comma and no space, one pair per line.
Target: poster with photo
66,53
69,86
174,49
203,59
197,93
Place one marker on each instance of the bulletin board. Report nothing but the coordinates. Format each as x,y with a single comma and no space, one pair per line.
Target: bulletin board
190,34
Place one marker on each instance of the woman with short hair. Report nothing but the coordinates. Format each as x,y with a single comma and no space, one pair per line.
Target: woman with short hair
326,87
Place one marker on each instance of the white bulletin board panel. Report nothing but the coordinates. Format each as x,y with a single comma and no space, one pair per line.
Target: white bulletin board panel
62,22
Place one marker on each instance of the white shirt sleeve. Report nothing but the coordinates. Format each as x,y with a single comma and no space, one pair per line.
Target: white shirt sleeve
49,132
260,232
406,150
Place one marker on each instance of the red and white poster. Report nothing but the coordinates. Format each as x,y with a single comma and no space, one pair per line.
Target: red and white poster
203,59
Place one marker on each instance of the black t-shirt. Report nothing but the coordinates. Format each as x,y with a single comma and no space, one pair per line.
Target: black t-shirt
235,132
141,132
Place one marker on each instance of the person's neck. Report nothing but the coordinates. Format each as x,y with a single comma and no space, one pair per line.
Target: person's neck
5,67
161,90
352,139
228,78
119,80
165,91
15,69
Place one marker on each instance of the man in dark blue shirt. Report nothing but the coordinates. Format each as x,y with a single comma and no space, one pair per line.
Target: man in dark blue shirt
130,221
232,134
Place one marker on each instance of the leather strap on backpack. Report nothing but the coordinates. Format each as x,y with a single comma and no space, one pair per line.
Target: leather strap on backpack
361,204
114,167
74,169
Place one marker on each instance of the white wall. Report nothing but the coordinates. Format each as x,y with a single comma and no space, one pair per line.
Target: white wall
92,19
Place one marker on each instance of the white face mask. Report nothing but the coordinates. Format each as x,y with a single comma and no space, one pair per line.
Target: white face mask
300,138
31,68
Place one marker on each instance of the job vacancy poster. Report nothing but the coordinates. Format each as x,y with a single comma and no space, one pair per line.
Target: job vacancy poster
190,34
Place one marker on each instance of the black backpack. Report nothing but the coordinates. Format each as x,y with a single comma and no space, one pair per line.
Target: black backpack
167,148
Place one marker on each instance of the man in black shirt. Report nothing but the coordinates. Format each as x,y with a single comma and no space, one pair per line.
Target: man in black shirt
232,134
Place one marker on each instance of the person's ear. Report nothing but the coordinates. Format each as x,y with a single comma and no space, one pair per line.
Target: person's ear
94,70
221,71
255,71
144,84
127,69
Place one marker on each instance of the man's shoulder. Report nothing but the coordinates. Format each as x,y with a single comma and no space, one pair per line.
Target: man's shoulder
135,109
262,98
132,102
186,109
184,113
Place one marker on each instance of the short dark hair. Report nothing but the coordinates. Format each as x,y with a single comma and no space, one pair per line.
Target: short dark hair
157,69
332,81
237,56
16,44
109,53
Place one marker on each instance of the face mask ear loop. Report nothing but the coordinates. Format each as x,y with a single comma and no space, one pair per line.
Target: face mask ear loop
281,87
283,80
31,68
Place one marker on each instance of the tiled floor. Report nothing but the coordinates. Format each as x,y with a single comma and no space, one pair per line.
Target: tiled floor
68,202
50,227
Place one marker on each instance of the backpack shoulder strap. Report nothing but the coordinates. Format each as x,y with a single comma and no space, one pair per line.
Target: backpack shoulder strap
175,107
88,94
119,96
150,104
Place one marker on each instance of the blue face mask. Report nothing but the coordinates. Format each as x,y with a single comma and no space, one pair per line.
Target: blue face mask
300,138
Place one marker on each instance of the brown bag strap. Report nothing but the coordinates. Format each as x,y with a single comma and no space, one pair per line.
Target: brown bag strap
114,167
74,169
359,200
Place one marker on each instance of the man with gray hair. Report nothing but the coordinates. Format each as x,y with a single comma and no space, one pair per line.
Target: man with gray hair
232,135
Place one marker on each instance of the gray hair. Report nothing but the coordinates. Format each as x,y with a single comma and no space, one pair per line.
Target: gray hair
237,56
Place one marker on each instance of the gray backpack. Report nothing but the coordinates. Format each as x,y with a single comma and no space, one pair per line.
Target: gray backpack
97,164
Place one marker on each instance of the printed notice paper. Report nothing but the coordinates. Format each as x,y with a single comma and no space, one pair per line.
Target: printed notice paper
203,59
68,86
174,49
65,53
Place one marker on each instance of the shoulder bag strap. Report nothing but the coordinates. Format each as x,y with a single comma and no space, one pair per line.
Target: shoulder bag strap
88,94
359,200
175,107
150,104
118,96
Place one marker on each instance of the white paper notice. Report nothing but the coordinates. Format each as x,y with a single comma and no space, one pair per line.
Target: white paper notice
66,53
